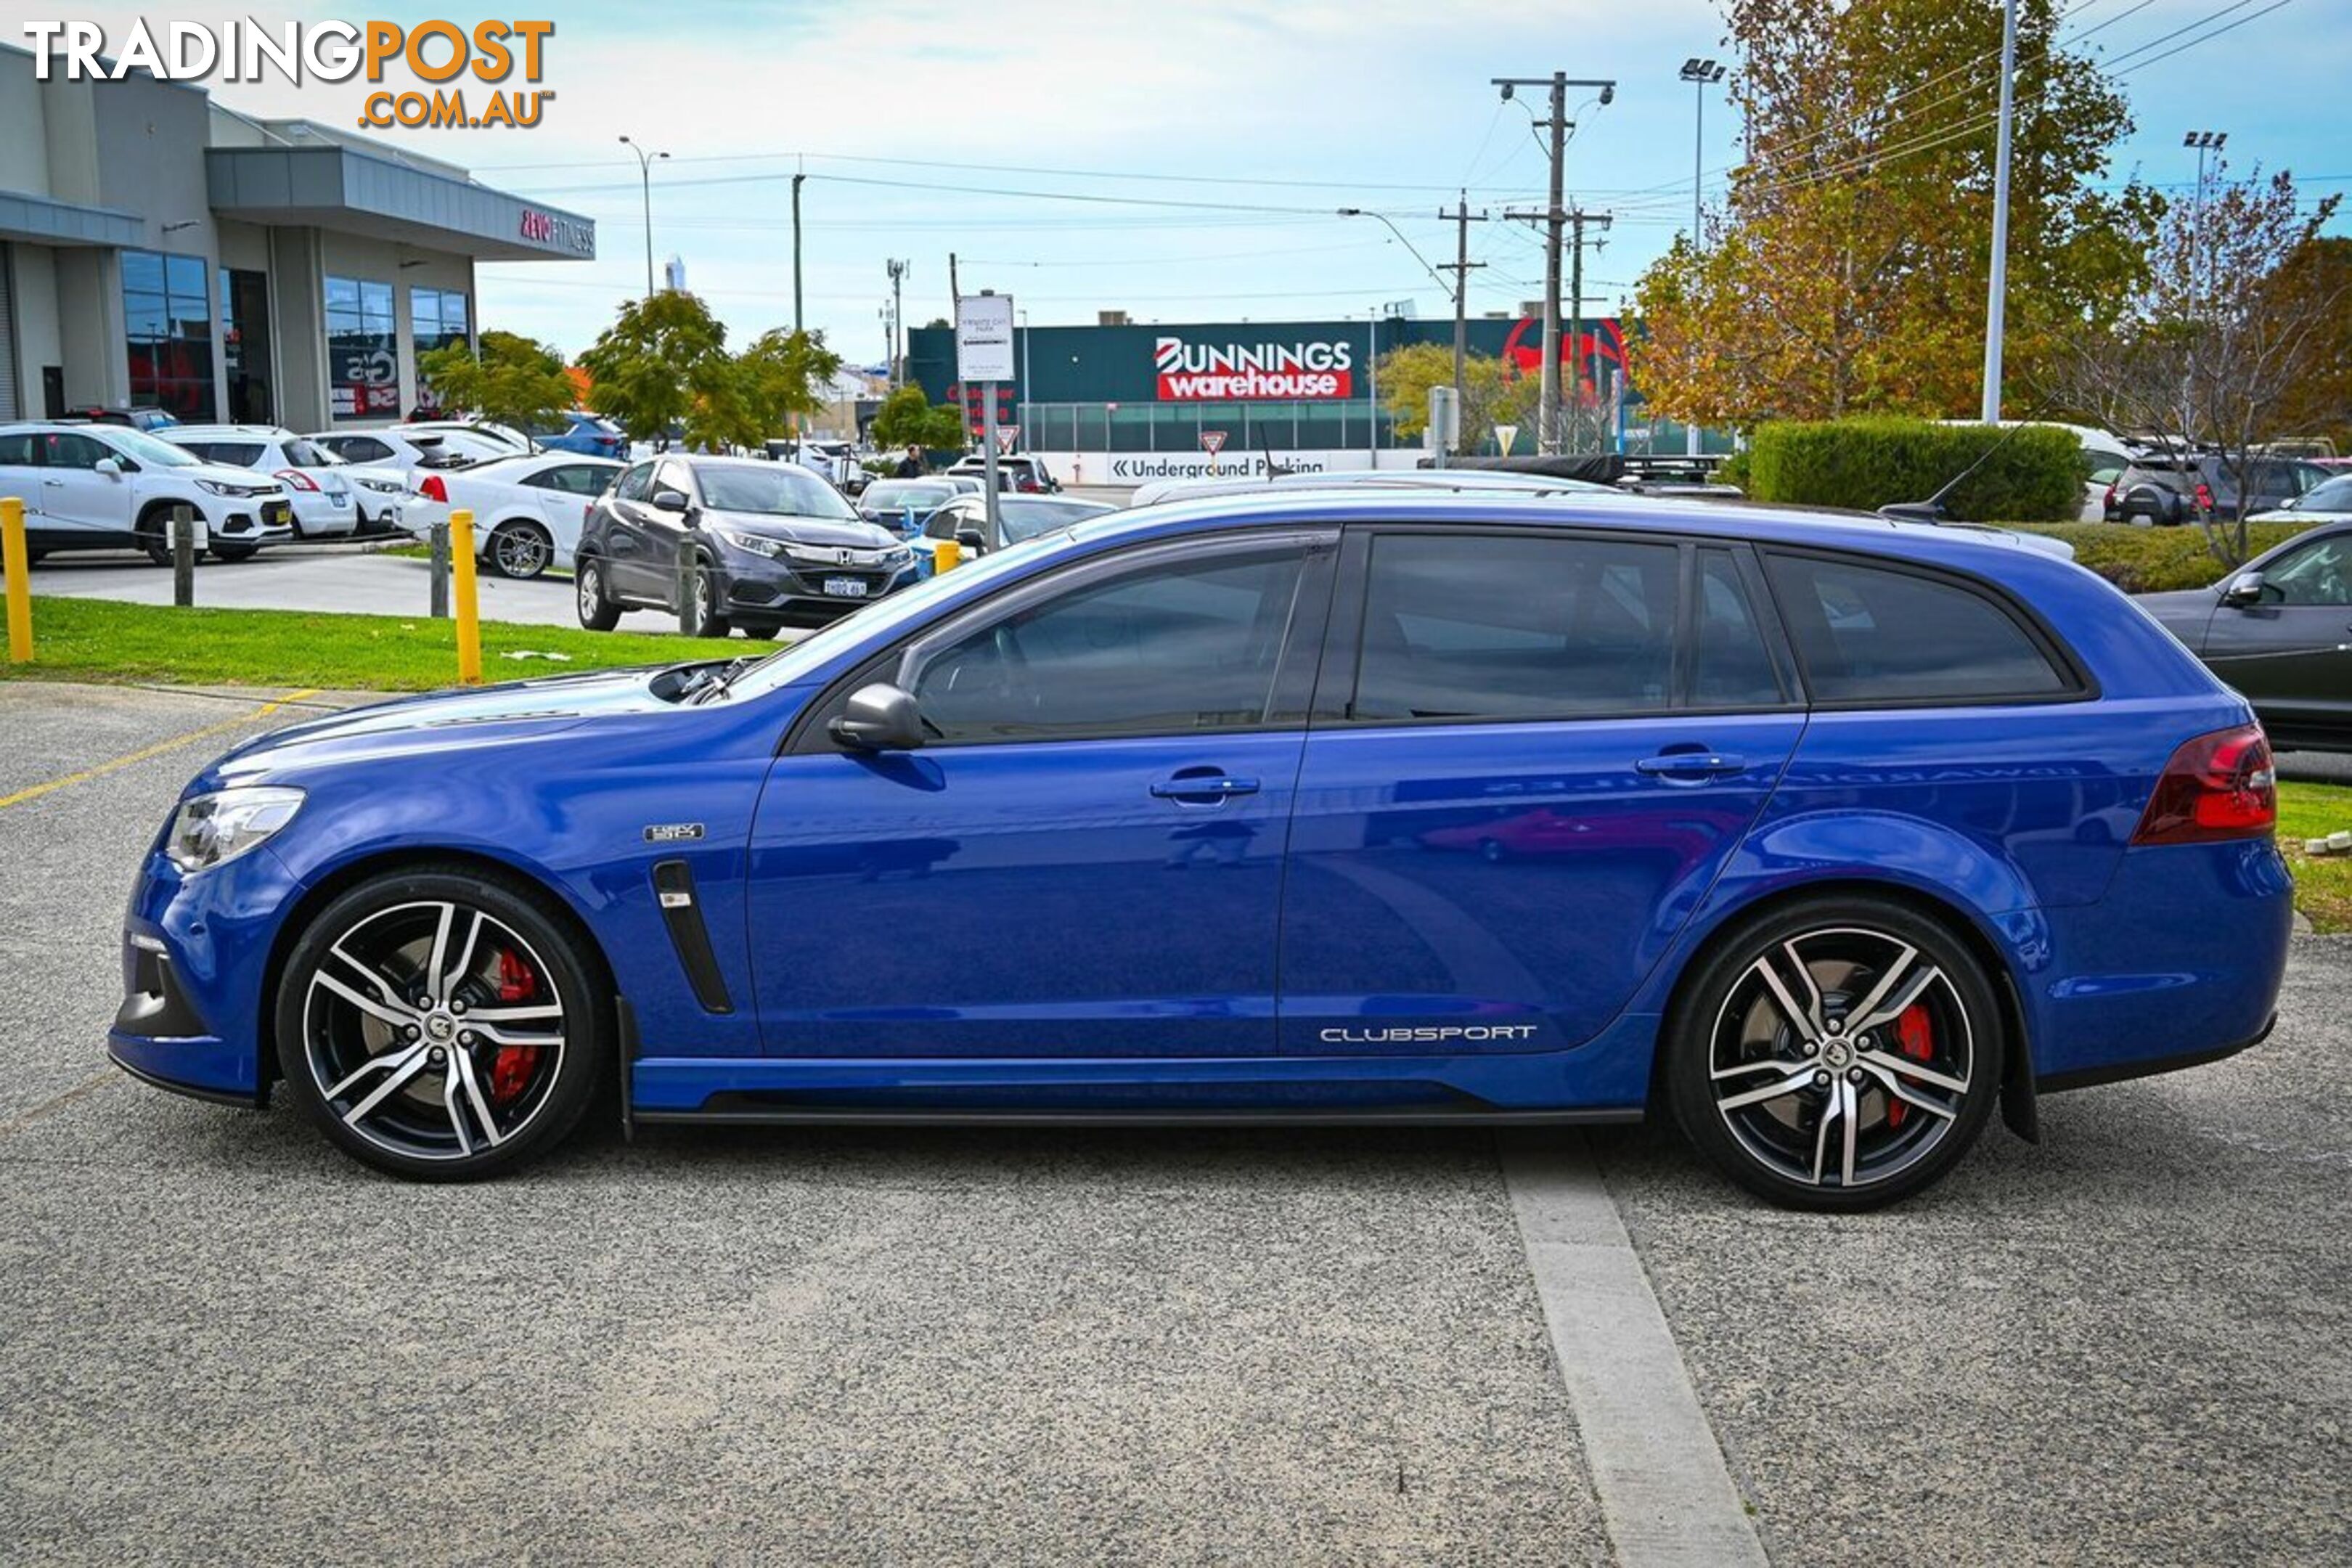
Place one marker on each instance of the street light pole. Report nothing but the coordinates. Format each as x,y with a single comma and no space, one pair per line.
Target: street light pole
1997,290
645,176
1702,75
2204,142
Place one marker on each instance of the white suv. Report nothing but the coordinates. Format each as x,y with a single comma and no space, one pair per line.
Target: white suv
108,486
314,478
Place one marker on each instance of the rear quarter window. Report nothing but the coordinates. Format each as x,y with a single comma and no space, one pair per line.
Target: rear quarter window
1871,634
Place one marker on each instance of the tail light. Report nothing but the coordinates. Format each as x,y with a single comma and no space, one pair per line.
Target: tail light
433,490
296,480
2204,496
2218,786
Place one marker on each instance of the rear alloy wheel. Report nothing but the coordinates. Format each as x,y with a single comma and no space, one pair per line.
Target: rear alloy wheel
520,550
1840,1055
439,1026
598,612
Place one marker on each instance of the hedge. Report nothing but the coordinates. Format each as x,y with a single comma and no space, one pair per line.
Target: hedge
1864,464
2153,560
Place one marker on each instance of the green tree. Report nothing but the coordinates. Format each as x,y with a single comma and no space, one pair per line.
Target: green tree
785,375
515,380
664,361
1845,270
1494,391
906,420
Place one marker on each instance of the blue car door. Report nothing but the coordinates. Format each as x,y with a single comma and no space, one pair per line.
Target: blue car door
1532,753
1084,857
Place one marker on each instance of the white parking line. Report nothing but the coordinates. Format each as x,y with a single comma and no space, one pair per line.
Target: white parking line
1665,1496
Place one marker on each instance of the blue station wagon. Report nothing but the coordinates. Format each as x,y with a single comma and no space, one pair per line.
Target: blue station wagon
1826,836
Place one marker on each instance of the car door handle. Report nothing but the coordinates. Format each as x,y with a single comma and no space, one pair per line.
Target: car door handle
1209,786
1690,764
53,484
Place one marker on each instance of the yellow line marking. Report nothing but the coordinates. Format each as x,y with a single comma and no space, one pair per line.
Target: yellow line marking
157,750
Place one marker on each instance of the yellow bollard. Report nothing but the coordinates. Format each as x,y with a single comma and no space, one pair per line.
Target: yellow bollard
945,555
461,571
18,563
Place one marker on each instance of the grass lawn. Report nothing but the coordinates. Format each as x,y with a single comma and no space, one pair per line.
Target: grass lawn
2323,886
97,639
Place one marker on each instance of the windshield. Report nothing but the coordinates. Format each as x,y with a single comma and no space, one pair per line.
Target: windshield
149,450
2333,495
884,618
1027,519
769,489
896,495
301,454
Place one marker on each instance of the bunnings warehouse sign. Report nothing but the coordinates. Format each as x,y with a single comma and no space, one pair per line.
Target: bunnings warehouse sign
1265,371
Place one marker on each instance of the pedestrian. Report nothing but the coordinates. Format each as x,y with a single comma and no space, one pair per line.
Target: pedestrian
910,466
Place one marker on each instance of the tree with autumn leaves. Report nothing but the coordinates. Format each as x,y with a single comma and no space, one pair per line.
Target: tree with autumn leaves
1845,270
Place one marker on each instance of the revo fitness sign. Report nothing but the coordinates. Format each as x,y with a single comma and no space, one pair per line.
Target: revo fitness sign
553,228
1246,372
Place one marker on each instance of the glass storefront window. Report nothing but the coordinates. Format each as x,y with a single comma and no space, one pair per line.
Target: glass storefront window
437,317
167,321
362,366
245,345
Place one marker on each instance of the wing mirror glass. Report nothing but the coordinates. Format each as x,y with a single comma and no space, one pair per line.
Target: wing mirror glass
2245,588
970,541
110,467
666,499
879,718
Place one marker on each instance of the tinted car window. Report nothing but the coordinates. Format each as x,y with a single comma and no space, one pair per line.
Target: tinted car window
1162,650
2319,573
236,454
1481,627
635,483
944,522
360,448
16,451
2335,495
1867,633
302,454
69,451
1731,666
572,478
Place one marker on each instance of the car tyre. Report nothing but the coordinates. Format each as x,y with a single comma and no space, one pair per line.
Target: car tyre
154,535
520,550
442,1025
233,553
1776,1074
703,618
598,610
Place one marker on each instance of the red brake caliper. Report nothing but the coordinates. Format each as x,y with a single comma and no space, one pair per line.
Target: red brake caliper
1915,1036
511,1067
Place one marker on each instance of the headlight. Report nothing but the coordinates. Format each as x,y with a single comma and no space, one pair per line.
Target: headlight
382,487
222,826
215,487
773,549
898,556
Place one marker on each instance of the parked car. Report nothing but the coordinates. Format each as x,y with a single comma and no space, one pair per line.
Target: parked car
2167,490
901,505
527,511
2280,630
382,462
139,419
505,436
1027,475
1898,825
314,478
589,434
1024,518
775,546
110,487
837,461
2324,502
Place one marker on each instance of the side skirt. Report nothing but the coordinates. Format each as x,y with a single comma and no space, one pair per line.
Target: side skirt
803,1117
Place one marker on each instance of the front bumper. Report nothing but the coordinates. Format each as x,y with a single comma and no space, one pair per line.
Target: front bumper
759,588
247,520
195,960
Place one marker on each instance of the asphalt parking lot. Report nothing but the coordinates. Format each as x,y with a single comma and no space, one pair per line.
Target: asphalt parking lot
219,1341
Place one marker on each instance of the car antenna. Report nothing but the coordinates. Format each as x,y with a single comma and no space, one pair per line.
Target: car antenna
1931,511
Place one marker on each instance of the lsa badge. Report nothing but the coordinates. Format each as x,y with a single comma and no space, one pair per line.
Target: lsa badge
673,832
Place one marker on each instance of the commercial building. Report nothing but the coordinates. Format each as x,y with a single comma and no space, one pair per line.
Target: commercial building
156,248
1122,403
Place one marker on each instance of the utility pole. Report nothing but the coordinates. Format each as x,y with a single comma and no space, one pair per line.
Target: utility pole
897,320
1577,220
1463,266
1998,289
797,326
1701,74
1555,217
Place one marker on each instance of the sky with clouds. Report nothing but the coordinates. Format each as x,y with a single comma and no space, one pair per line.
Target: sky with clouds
1184,163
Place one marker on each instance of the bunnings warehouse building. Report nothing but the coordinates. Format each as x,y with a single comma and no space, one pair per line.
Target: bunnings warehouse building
1120,403
157,248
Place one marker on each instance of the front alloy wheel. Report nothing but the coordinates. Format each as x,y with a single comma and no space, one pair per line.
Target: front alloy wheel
520,550
438,1025
1841,1056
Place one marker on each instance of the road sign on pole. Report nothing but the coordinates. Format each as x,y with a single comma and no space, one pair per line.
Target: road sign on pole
1212,442
1504,436
984,356
1006,436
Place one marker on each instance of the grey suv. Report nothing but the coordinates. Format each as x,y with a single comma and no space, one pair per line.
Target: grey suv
2167,490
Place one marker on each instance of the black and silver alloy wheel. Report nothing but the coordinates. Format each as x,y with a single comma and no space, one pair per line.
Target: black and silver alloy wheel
520,550
437,1028
598,611
1840,1059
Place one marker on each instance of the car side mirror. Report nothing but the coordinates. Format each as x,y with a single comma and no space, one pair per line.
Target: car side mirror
110,467
2245,588
879,718
666,499
970,540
